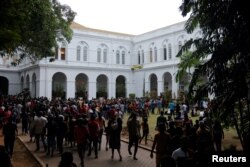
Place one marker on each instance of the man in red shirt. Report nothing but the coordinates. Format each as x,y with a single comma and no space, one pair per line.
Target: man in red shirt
94,133
81,135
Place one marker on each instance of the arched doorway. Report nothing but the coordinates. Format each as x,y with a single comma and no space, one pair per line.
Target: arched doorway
153,85
102,86
167,85
81,85
4,86
120,86
59,85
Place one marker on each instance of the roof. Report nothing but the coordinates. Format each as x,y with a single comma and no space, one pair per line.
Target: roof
78,26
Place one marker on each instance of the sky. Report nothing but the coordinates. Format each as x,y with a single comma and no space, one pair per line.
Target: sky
126,16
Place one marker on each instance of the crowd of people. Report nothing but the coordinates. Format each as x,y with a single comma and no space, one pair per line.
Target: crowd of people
81,123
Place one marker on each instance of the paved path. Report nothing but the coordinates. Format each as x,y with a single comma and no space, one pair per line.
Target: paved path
104,157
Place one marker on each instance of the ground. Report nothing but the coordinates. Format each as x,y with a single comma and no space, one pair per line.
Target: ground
21,157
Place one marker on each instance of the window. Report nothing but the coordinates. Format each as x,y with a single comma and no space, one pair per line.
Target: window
117,57
139,58
99,55
164,52
179,45
155,54
85,53
105,55
62,53
169,51
78,53
123,57
150,55
142,54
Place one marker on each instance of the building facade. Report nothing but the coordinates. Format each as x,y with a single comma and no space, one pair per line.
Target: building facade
99,63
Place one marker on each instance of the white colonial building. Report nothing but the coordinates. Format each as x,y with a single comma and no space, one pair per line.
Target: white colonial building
102,63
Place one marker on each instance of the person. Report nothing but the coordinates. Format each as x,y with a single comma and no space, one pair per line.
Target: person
51,135
171,106
61,133
81,135
181,153
67,160
204,139
5,160
39,125
94,133
9,132
115,126
218,134
161,143
134,134
101,122
145,130
161,119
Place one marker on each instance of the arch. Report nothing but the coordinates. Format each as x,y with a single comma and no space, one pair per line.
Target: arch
59,85
167,82
153,85
27,82
81,86
4,86
102,86
120,85
33,88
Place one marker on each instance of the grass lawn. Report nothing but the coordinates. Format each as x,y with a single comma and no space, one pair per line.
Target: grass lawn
231,137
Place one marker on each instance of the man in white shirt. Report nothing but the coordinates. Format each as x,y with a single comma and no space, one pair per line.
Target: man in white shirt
181,153
39,124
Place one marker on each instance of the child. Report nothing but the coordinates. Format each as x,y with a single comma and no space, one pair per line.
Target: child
145,130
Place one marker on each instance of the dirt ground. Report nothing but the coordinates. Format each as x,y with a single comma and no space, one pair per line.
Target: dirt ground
21,156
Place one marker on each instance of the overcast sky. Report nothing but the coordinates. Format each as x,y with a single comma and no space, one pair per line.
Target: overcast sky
126,16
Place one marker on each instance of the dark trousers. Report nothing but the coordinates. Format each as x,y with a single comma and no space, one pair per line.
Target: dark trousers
59,140
81,148
95,143
133,140
9,144
38,137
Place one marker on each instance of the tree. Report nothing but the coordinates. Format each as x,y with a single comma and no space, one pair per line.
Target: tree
32,28
224,53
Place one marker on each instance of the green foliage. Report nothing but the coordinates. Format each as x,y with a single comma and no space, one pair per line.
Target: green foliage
225,38
33,27
132,96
